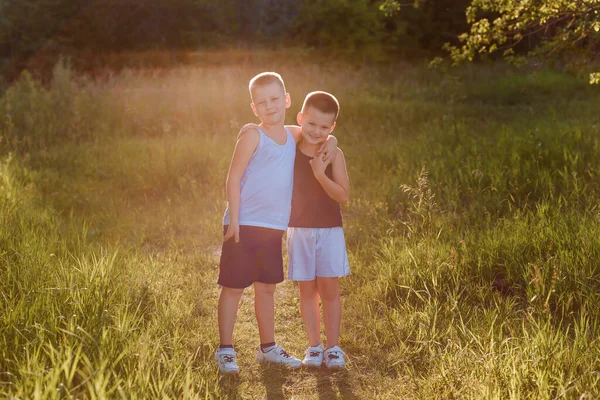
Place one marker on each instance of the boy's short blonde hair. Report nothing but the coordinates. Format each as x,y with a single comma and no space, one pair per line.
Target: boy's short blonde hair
265,78
322,101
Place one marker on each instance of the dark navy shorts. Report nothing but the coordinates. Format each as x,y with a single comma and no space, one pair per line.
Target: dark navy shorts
257,257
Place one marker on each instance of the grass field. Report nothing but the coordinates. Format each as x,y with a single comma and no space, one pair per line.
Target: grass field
473,232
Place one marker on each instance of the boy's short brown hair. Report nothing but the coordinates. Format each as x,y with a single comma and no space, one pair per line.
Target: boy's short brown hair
322,101
265,78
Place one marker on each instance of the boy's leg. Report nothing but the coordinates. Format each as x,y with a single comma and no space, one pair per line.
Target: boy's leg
329,290
309,308
229,300
264,307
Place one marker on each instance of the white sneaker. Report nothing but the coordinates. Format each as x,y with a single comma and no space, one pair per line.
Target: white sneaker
225,359
278,355
313,356
334,358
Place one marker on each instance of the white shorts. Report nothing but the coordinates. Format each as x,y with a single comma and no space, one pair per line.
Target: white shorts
316,252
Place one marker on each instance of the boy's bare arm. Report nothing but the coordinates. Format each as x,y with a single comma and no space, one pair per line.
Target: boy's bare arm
337,188
328,149
244,149
296,132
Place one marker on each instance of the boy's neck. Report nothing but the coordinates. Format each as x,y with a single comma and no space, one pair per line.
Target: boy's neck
272,129
308,149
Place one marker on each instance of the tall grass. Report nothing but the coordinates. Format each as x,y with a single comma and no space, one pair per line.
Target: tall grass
472,231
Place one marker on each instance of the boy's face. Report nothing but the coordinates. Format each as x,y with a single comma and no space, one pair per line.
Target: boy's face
316,125
269,103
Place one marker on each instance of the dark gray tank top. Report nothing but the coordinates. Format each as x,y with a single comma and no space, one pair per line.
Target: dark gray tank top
311,206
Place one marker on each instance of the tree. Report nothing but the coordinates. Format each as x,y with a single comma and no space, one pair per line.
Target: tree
541,29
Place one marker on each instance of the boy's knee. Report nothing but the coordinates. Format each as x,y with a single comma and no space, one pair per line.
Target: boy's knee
328,296
329,289
232,292
264,289
307,287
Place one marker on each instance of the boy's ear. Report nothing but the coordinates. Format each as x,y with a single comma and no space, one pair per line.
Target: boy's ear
253,109
299,118
332,128
288,100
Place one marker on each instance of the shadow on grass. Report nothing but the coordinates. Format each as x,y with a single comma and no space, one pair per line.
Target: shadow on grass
334,384
229,386
274,378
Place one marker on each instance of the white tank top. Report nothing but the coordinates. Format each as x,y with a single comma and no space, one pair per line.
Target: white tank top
266,187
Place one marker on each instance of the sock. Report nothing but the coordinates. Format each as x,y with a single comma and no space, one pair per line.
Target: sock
315,346
225,346
267,347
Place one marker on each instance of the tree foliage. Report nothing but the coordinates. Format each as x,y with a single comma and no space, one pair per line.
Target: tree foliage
358,28
519,30
559,28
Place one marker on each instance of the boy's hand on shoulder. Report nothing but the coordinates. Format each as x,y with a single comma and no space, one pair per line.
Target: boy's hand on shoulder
233,231
329,149
318,165
246,128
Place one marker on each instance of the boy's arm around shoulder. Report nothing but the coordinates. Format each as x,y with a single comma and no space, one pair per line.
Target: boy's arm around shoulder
328,148
244,149
337,188
296,132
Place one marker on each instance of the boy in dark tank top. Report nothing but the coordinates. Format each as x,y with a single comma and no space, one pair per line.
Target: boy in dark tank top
315,239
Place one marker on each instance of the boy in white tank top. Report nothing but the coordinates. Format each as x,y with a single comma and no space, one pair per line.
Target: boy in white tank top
259,190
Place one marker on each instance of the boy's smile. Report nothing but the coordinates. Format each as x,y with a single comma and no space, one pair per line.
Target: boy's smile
316,125
269,103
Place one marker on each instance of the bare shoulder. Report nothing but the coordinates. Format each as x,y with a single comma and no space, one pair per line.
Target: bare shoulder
249,134
249,140
339,157
247,128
